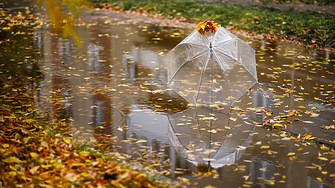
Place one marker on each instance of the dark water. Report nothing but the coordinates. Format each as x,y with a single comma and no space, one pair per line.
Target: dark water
113,94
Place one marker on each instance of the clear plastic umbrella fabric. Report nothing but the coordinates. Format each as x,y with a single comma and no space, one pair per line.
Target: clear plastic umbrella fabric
215,69
202,138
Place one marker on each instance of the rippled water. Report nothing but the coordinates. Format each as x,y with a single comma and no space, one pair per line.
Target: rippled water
113,93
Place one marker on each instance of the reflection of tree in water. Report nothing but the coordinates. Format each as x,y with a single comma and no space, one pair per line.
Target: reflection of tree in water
19,56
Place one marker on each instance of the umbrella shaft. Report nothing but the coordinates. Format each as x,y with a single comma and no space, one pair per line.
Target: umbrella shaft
212,72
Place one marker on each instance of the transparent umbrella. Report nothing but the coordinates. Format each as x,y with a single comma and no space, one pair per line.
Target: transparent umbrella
206,137
211,68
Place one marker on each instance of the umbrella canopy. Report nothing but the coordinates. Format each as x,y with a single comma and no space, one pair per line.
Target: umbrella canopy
212,68
204,136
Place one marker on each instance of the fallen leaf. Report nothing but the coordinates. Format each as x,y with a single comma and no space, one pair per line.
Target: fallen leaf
323,158
11,160
141,141
34,169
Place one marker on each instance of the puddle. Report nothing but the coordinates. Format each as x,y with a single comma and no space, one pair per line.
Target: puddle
114,94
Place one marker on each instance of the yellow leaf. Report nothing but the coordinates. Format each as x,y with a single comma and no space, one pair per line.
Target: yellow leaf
291,153
269,182
265,147
332,161
233,119
67,140
46,166
34,169
318,178
34,155
71,176
78,164
278,125
323,158
11,160
208,174
12,173
84,153
324,147
28,120
209,186
5,145
141,141
58,164
301,107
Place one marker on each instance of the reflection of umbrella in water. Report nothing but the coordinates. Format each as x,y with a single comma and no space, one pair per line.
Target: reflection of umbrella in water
214,68
205,137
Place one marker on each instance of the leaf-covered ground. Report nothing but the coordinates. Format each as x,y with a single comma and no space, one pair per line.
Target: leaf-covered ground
309,27
34,153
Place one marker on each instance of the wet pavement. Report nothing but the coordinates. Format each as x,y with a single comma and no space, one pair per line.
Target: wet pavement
113,94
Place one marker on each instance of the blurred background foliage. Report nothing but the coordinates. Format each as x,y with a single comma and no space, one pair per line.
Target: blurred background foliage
64,22
320,2
309,27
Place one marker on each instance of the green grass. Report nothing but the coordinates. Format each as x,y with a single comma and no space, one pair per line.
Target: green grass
309,27
320,2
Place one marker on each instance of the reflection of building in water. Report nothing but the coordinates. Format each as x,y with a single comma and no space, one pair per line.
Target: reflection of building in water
314,183
261,170
95,62
261,100
67,68
144,64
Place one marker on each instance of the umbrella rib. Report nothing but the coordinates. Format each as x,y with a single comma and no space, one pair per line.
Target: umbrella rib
201,75
176,135
196,56
217,59
243,64
214,49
